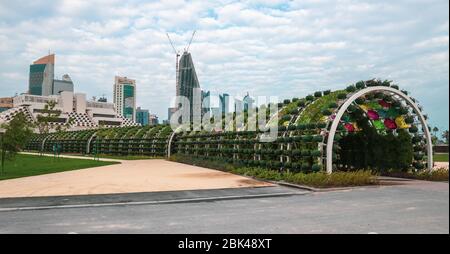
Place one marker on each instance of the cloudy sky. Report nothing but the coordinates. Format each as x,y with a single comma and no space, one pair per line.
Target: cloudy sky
265,47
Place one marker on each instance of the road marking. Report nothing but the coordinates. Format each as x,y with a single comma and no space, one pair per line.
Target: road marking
172,201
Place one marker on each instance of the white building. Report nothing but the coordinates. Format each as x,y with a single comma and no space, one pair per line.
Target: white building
125,97
85,114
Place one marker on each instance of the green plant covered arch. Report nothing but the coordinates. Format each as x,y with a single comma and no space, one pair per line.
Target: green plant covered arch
371,124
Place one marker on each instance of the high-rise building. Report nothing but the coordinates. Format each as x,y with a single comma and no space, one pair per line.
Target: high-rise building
42,71
248,102
61,85
206,102
224,103
153,119
142,116
187,79
125,97
170,112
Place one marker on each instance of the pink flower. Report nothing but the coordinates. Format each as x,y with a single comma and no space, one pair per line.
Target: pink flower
349,127
384,104
390,124
372,114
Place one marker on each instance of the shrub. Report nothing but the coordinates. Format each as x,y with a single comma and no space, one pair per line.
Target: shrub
395,87
301,103
301,127
360,101
360,84
403,111
416,139
307,138
418,165
294,99
286,117
413,129
434,175
317,138
350,89
409,120
309,98
321,125
326,112
292,127
287,101
306,166
311,126
342,96
418,156
316,153
326,92
293,111
333,105
305,152
318,94
316,167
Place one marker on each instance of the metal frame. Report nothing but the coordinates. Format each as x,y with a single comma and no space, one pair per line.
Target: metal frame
349,101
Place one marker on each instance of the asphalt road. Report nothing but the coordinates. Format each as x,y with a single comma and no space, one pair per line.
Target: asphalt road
421,207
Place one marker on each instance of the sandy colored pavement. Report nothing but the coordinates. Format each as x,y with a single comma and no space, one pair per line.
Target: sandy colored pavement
438,164
130,176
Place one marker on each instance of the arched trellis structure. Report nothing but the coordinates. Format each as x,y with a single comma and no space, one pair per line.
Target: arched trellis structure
358,94
307,129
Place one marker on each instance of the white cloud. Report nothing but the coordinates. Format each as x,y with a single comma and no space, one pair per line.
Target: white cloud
284,48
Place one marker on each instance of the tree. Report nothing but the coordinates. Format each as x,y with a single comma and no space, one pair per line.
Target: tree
17,133
445,136
435,130
48,116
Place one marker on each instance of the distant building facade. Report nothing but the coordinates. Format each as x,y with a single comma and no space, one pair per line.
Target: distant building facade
125,97
153,119
6,103
41,80
85,114
41,76
249,102
61,85
142,116
224,100
187,80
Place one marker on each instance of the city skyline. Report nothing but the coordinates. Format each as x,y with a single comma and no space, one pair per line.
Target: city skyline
288,48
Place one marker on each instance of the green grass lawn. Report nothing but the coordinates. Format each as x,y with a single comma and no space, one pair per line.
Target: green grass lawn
441,157
30,165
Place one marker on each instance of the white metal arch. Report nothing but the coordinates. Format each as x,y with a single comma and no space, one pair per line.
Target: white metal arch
349,101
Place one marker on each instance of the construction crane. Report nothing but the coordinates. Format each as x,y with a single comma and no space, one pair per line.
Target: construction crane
190,41
177,54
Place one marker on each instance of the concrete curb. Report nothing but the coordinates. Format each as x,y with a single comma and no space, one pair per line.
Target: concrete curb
173,201
72,157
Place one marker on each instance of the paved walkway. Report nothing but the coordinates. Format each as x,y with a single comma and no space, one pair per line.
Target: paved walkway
128,177
417,207
438,165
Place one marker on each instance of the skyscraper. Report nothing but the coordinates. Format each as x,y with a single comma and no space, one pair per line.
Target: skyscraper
224,103
42,71
248,102
187,79
142,116
125,97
